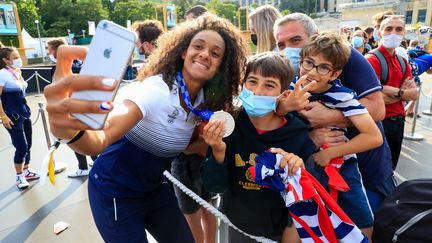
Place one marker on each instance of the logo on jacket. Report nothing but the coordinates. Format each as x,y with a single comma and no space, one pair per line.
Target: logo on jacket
173,115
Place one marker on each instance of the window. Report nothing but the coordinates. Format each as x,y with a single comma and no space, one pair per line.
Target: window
408,17
422,16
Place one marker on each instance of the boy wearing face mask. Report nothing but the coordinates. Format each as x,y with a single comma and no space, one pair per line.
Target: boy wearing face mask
254,209
398,87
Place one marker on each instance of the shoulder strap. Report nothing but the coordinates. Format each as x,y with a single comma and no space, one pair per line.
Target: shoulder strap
402,64
383,63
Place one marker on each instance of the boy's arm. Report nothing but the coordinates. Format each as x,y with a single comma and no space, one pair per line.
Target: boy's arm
368,138
214,174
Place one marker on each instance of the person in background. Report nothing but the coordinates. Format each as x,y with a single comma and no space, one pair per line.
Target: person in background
148,31
376,22
358,41
398,86
195,12
261,22
370,43
53,45
15,114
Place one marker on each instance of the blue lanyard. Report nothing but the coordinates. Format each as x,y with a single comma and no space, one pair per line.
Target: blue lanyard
204,114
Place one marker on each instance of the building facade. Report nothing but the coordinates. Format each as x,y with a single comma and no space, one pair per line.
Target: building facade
362,11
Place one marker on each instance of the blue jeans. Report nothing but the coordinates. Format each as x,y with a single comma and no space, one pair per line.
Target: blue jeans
21,135
378,193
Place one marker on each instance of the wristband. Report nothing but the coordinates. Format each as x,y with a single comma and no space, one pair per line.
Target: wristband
3,117
76,137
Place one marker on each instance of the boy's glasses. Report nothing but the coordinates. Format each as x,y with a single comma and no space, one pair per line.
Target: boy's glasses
322,69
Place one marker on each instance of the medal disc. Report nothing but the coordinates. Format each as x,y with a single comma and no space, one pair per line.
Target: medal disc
227,119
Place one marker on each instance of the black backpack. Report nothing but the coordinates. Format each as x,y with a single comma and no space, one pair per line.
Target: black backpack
406,214
384,65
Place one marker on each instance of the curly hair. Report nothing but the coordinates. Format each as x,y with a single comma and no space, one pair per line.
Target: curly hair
167,59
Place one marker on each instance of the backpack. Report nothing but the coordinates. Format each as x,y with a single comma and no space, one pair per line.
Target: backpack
406,214
384,65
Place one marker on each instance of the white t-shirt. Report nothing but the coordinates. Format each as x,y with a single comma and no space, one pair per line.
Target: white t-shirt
166,128
10,83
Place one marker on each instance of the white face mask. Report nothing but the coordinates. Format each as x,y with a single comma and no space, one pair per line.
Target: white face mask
391,41
52,58
17,63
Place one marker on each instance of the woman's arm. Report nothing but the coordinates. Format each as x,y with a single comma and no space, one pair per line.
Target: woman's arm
118,123
7,123
60,105
369,137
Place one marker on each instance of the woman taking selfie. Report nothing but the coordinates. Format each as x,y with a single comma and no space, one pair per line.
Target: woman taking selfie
196,67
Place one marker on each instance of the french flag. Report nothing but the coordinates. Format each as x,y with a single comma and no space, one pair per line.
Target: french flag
317,217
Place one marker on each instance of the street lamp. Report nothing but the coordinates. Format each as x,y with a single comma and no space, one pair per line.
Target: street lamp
40,41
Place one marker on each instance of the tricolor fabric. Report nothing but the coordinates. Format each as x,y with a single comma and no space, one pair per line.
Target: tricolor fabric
316,215
336,182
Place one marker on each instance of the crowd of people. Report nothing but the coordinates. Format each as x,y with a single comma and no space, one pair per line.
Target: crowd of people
307,95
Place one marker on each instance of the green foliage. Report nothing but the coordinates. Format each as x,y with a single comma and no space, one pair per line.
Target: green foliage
224,10
285,12
28,13
60,15
134,10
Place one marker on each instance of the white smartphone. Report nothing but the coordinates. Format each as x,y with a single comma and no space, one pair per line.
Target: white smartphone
109,53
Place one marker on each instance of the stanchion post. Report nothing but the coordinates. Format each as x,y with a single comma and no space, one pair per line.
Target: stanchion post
44,123
58,167
428,112
415,136
37,83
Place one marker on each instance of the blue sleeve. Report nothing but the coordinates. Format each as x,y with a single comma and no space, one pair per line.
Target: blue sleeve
214,175
359,75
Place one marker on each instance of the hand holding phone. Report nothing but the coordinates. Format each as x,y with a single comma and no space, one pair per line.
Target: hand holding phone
108,56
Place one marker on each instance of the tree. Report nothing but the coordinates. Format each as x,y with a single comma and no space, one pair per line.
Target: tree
224,10
60,15
134,10
28,12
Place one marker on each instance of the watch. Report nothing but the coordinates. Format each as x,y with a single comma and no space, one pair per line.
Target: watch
399,94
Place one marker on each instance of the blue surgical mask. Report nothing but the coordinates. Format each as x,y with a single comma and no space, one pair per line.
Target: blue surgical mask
375,35
357,41
293,54
257,105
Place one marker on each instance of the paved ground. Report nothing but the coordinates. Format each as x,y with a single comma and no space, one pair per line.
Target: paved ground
29,216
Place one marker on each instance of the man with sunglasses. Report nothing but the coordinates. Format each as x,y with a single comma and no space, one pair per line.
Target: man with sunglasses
293,31
397,81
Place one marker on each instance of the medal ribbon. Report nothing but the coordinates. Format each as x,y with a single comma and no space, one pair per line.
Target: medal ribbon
204,114
13,73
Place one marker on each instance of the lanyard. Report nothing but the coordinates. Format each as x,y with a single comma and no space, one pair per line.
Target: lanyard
13,73
204,114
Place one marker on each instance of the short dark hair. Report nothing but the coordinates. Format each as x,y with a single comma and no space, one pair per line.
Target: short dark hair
331,46
55,43
148,30
271,64
197,10
369,30
5,52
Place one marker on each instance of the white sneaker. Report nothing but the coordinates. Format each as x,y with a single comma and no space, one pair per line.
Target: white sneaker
21,182
78,173
31,174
